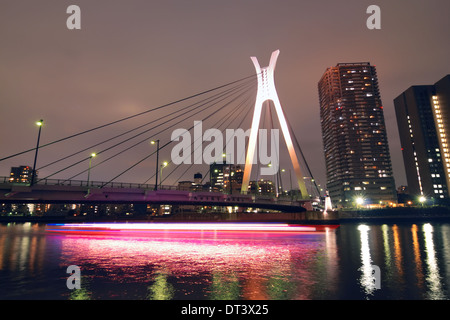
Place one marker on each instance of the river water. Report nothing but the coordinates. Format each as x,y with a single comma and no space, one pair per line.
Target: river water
357,261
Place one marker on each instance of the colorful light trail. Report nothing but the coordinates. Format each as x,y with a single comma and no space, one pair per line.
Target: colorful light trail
127,228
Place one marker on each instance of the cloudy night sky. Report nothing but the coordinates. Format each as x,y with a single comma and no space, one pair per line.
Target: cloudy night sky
133,55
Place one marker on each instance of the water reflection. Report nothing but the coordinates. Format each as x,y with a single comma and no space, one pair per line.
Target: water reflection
84,293
414,260
433,277
368,280
259,268
225,286
412,272
417,258
161,289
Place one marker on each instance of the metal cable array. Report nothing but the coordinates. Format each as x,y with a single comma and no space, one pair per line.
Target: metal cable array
203,105
226,106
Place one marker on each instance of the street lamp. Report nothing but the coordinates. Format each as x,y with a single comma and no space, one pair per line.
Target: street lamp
33,174
422,199
290,178
157,161
163,165
93,155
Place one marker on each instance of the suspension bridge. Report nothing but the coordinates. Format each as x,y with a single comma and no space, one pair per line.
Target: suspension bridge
67,178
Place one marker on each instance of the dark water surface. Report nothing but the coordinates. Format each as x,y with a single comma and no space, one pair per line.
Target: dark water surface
413,261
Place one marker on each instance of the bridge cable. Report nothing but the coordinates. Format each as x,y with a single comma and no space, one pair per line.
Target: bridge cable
126,118
165,145
146,139
134,129
240,124
161,132
247,113
193,143
303,156
221,120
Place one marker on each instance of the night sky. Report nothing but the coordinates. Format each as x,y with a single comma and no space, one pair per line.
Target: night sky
132,55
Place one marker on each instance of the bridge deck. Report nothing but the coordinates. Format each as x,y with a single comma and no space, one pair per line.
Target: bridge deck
74,192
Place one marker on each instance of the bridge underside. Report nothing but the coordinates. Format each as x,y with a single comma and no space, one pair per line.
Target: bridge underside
79,195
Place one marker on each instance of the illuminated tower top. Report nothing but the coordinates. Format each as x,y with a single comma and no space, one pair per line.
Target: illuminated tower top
267,92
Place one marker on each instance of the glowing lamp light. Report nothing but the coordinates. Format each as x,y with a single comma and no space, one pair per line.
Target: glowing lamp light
165,164
93,155
359,201
40,123
422,199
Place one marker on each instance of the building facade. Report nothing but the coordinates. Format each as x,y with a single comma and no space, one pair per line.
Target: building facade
226,177
357,156
21,174
423,118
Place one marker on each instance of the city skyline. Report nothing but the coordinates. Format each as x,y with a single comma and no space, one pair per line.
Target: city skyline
129,57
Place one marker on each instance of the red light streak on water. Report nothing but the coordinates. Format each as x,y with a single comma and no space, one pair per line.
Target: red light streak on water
251,258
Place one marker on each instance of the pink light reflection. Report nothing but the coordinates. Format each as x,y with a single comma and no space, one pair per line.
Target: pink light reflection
150,228
250,261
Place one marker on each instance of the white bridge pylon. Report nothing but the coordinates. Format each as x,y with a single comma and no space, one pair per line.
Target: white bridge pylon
266,91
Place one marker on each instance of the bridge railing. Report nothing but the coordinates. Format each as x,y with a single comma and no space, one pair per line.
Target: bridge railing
100,184
130,185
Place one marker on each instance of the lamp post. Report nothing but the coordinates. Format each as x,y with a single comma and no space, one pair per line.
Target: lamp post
93,155
33,174
283,171
163,165
157,162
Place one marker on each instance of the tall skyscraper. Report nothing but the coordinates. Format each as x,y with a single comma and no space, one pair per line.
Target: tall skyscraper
357,157
423,118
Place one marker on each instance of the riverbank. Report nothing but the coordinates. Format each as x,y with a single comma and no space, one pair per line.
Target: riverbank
306,217
396,214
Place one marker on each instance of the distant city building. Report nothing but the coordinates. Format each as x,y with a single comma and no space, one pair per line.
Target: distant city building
185,185
198,177
237,175
423,118
263,187
21,174
223,180
216,171
403,195
197,185
354,136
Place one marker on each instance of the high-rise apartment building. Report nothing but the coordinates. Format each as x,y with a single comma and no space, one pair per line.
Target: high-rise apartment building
423,118
357,157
